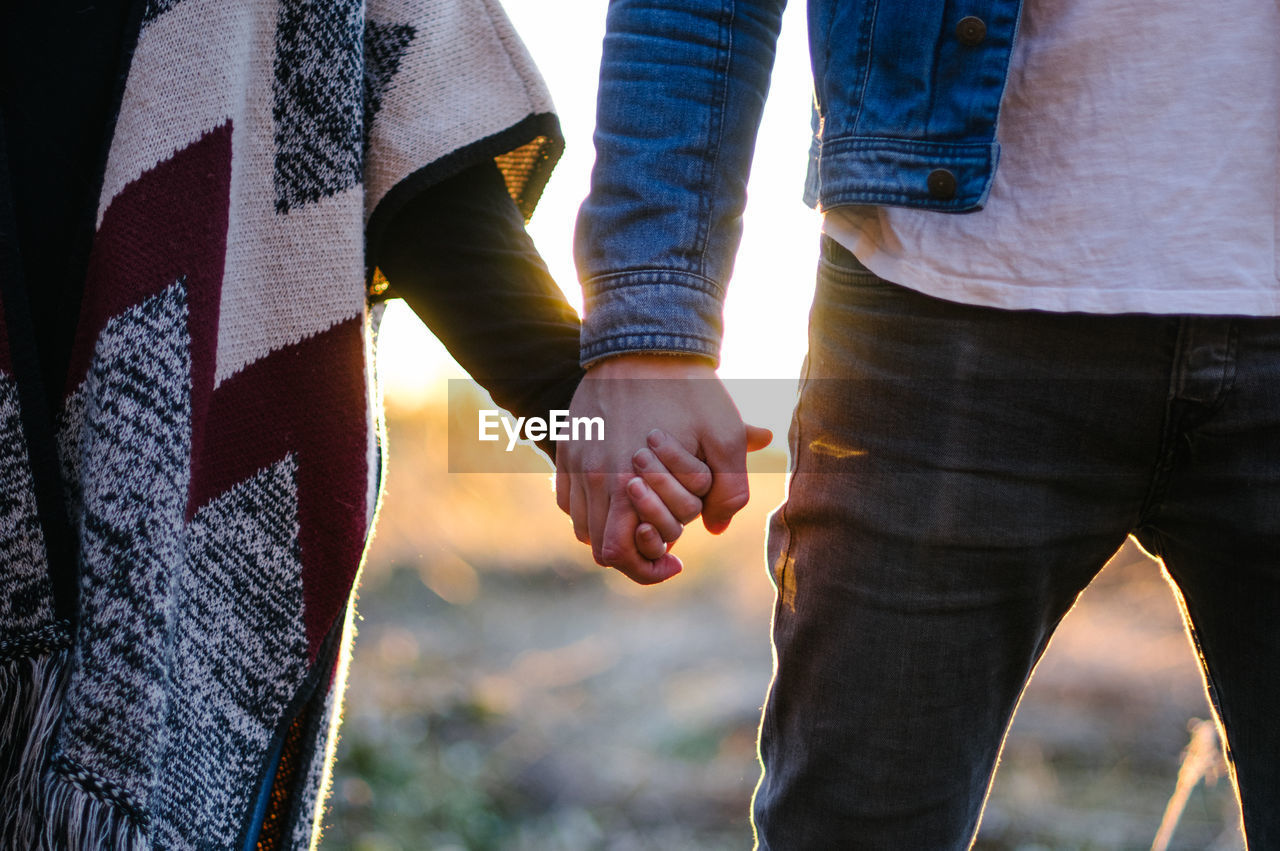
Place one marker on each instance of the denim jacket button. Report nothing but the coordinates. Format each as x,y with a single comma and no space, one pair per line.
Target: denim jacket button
942,184
971,31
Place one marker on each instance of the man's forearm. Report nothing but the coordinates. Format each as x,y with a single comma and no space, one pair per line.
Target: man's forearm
682,89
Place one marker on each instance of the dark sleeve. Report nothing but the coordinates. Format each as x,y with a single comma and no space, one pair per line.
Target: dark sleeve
62,72
459,255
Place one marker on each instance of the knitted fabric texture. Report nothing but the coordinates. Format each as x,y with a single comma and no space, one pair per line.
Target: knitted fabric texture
218,433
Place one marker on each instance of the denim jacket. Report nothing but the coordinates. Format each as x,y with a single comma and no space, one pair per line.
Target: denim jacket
907,94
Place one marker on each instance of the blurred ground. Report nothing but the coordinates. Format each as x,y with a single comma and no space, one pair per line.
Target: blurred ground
507,694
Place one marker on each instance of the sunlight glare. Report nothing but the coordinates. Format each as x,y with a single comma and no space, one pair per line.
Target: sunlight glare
767,305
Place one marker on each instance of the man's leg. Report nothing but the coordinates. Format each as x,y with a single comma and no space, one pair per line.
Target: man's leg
959,475
1214,519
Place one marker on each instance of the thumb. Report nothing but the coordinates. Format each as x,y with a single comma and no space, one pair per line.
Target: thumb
729,487
758,438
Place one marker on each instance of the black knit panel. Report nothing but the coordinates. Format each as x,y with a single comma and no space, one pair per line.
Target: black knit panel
156,8
318,109
384,47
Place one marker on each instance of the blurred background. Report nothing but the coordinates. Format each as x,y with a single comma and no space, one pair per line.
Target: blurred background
506,693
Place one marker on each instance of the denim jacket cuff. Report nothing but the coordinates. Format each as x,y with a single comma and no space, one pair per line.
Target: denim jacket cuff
651,311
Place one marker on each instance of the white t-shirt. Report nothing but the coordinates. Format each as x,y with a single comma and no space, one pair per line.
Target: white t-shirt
1138,173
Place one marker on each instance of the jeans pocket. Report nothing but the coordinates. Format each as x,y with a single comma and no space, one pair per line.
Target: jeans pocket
836,255
846,276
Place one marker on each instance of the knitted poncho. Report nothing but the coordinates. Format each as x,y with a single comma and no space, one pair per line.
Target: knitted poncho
171,647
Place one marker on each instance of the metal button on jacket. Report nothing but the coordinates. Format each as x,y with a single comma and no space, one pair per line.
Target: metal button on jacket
971,31
942,184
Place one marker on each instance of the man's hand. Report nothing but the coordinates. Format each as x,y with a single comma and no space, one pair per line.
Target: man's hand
633,395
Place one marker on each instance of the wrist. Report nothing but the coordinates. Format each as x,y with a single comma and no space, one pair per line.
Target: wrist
652,365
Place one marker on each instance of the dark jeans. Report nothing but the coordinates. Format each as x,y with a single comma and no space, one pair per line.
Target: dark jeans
959,476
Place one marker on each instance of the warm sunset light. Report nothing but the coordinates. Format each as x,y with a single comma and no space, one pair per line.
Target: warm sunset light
508,694
983,558
768,302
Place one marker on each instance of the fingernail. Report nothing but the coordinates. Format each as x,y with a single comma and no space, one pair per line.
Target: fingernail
654,437
641,458
635,487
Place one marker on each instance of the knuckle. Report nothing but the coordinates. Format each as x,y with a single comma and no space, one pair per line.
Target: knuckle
657,480
689,512
724,447
729,503
644,460
646,502
699,482
667,448
611,554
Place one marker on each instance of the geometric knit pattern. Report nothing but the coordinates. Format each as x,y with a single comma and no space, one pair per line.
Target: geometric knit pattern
206,626
136,428
218,429
319,118
240,653
155,8
384,47
26,598
466,54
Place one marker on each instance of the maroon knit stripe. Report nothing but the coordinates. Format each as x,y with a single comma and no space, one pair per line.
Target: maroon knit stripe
168,224
308,400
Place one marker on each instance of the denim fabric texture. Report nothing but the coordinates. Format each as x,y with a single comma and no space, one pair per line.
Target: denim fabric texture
904,92
959,476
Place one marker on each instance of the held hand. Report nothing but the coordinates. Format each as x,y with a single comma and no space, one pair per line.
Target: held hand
667,490
633,394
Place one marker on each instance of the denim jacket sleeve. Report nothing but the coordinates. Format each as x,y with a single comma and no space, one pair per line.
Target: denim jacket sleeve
682,88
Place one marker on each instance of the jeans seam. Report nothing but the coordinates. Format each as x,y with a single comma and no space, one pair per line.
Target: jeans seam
787,530
795,471
1163,467
1162,470
1212,688
767,719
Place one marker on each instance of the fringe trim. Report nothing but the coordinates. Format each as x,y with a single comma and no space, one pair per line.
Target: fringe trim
54,636
80,820
40,808
31,691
